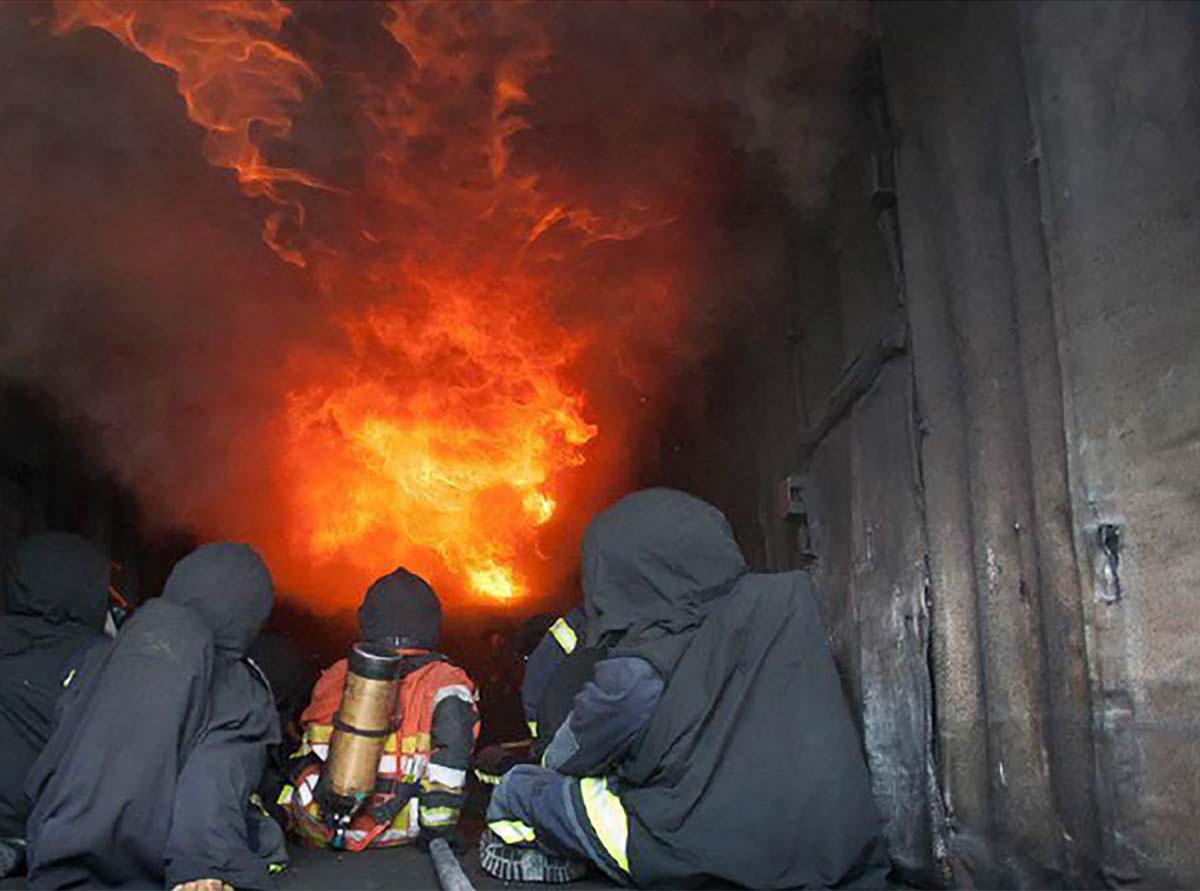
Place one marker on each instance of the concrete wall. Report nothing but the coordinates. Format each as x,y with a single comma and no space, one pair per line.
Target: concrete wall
1047,192
998,425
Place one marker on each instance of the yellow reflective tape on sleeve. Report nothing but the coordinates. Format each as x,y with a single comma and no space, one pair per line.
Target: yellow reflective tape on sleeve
318,733
70,677
565,635
512,832
488,778
608,818
418,742
285,795
532,728
275,869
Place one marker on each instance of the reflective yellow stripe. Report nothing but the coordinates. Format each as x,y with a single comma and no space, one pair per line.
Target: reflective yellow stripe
490,779
533,728
607,816
512,832
285,795
418,742
274,869
318,733
70,677
438,816
565,635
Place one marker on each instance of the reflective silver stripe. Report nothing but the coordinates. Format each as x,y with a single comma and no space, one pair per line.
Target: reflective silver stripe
387,764
446,776
565,635
456,691
607,816
321,750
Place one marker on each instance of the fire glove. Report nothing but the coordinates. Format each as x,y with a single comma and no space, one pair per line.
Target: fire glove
494,762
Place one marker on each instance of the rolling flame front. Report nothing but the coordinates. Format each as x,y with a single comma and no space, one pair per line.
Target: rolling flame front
437,428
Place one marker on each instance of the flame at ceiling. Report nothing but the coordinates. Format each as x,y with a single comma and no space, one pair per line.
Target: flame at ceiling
498,223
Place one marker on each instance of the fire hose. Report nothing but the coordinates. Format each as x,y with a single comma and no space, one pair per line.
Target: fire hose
450,874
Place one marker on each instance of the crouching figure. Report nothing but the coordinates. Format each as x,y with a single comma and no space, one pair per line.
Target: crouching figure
160,741
712,743
419,784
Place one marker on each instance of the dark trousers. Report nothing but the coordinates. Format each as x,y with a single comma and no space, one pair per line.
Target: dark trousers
551,805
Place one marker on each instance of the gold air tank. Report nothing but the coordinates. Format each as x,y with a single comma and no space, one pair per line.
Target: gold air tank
367,716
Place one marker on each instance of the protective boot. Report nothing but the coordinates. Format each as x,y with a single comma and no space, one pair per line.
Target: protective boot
525,863
12,857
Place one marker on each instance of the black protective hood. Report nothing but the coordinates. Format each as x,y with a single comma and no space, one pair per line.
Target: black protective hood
401,607
229,586
58,578
651,561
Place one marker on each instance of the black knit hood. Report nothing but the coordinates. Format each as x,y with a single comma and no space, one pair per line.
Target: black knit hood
402,608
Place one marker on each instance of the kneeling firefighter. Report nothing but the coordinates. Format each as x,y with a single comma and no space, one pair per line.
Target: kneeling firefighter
711,744
389,733
556,665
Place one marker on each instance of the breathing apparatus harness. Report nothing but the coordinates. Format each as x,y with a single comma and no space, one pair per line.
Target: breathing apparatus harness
367,716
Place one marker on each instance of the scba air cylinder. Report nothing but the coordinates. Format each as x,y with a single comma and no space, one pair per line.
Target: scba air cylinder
364,721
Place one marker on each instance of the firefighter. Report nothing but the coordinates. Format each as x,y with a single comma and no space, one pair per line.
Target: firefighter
559,637
160,742
547,644
712,743
422,773
55,596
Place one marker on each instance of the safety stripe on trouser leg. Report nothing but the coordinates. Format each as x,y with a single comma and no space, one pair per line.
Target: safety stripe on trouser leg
608,818
562,632
512,832
432,817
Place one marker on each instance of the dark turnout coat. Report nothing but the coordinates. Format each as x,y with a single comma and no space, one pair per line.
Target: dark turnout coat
55,594
162,738
749,769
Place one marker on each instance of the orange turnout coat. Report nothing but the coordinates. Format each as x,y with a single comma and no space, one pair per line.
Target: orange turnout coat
422,772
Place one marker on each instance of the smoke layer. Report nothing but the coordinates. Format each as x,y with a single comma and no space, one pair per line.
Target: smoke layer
397,283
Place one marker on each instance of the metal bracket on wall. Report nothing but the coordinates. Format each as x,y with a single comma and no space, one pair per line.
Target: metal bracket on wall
856,380
792,508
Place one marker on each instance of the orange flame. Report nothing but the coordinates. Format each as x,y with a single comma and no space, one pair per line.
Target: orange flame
438,432
237,82
453,445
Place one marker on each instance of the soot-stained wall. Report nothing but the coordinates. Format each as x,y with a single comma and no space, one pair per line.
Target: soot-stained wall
990,395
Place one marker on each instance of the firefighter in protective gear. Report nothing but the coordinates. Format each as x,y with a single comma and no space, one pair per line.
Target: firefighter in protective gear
711,744
561,637
54,592
160,740
422,772
546,643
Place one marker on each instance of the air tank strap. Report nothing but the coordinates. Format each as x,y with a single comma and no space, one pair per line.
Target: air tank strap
341,725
